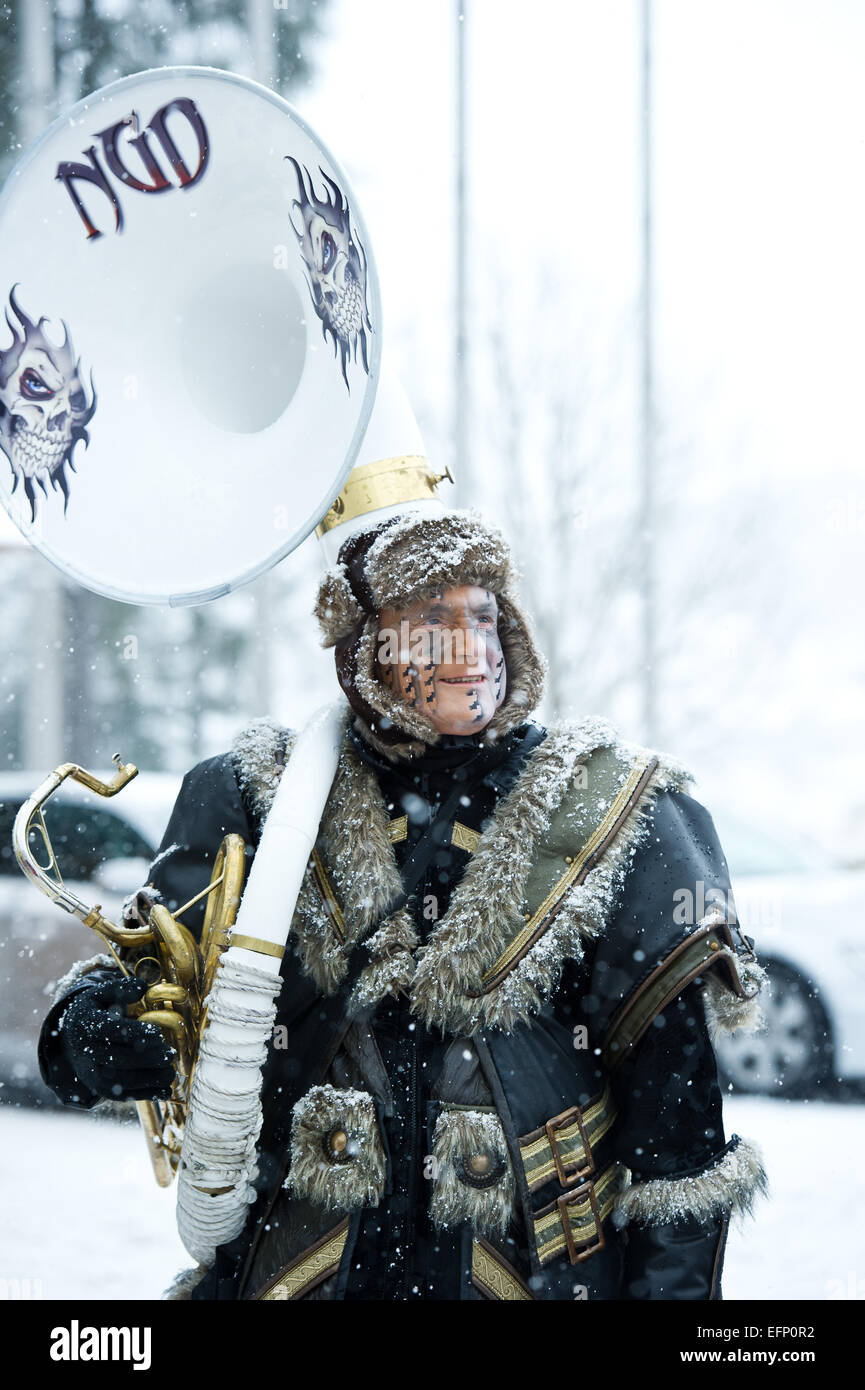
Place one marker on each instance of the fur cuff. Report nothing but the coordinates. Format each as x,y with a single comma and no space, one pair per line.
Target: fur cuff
184,1283
472,1173
727,1012
337,1155
729,1186
81,968
136,908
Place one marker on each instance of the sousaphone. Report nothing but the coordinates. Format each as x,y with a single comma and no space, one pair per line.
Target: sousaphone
194,336
190,373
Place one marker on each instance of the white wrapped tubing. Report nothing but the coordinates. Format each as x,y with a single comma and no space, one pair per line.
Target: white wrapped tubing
218,1163
224,1120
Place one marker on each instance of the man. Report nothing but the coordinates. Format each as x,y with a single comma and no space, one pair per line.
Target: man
496,1077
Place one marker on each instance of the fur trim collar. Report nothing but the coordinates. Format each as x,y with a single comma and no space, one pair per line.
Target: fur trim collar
484,914
444,976
258,757
354,842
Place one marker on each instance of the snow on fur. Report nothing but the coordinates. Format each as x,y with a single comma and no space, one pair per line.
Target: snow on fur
484,912
391,966
77,972
726,1012
356,1182
421,555
444,976
336,608
183,1284
730,1185
258,757
458,1135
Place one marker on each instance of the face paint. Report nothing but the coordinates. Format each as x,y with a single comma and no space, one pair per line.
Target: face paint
451,664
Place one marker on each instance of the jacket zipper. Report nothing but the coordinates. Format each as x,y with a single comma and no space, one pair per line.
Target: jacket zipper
415,1157
411,1195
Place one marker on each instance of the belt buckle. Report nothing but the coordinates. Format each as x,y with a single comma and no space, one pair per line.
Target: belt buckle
587,1189
579,1174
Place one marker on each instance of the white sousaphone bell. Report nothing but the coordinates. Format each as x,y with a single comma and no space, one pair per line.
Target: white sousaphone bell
191,383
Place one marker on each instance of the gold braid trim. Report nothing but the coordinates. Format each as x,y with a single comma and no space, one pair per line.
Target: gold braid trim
311,1267
494,1277
607,827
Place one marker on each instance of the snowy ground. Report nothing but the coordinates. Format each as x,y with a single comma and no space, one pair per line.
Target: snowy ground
83,1218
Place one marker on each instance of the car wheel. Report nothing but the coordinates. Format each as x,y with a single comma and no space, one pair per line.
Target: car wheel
794,1054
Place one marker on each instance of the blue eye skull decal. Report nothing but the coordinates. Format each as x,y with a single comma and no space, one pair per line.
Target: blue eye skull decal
336,266
44,407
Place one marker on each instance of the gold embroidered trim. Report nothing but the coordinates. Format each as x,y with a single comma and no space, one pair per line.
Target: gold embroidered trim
492,1276
398,829
327,895
463,837
598,835
537,1154
312,1266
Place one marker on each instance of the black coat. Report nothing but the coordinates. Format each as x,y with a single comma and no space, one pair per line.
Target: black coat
668,1123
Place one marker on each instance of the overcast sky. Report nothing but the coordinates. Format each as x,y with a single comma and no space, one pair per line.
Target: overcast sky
759,215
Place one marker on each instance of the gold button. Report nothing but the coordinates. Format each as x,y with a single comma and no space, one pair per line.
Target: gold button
338,1141
713,946
527,916
568,859
479,1163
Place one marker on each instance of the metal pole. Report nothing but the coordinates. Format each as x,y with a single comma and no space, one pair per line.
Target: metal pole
262,40
42,729
36,51
461,391
646,517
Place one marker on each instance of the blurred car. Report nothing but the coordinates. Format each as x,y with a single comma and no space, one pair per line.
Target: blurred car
805,917
104,849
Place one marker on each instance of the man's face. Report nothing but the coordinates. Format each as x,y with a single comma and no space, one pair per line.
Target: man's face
443,655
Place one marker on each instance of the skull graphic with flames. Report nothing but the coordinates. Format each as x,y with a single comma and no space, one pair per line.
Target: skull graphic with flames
44,409
336,264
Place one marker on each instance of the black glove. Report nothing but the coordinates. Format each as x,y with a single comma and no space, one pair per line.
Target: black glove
116,1057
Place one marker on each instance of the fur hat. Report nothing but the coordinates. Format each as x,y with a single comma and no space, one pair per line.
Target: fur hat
406,558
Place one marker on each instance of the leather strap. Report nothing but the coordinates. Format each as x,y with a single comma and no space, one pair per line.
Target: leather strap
701,949
574,1222
562,1148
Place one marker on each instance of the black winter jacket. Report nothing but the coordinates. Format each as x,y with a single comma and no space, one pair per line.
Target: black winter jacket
577,1150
